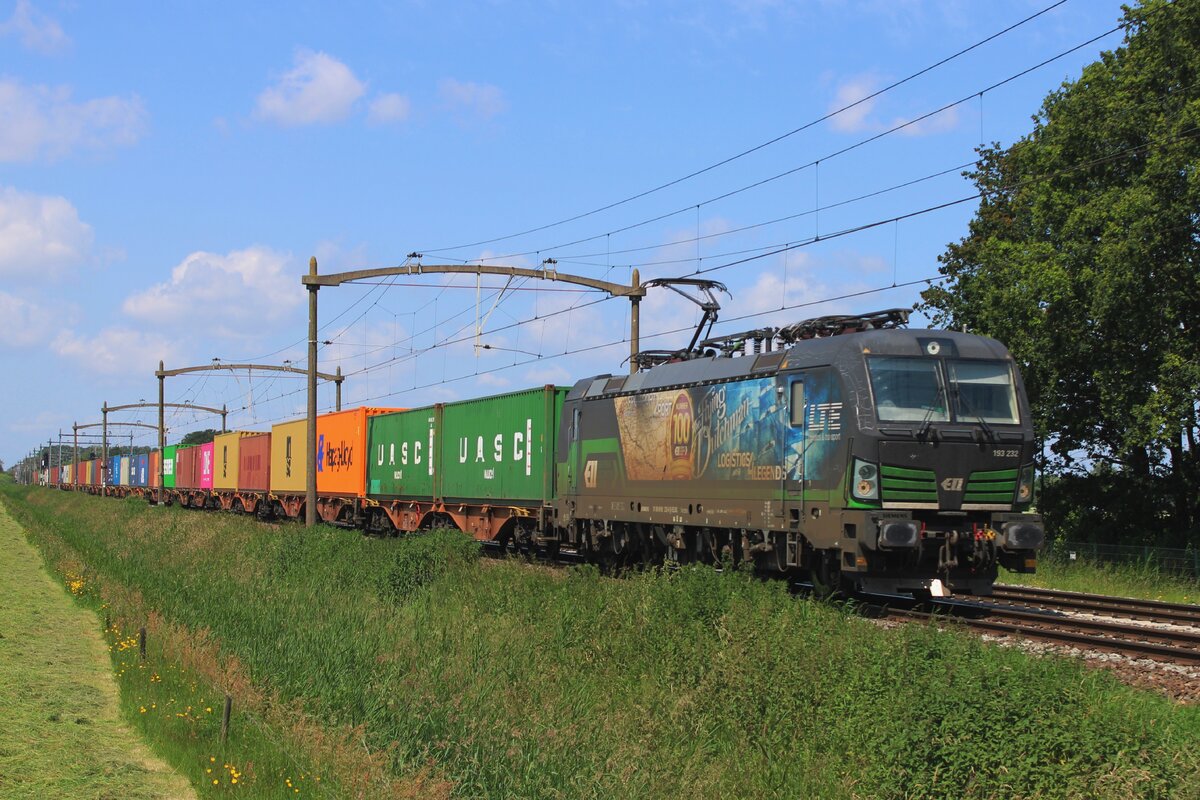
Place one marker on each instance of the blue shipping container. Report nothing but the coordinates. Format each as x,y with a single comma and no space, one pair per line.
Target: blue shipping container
141,470
113,478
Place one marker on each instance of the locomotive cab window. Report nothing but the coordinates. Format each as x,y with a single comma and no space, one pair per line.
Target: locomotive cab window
983,390
908,389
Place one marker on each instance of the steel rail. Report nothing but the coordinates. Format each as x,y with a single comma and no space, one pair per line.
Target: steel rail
1179,613
1045,631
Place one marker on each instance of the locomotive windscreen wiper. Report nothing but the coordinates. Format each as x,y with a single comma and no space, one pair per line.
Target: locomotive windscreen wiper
926,427
960,399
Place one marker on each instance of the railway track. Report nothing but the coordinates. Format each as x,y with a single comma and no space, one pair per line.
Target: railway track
1167,644
1100,605
1042,614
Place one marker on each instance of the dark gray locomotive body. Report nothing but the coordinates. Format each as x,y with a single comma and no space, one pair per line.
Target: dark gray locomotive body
877,460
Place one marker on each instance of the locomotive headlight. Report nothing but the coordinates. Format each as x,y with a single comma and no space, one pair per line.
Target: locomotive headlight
1025,485
866,480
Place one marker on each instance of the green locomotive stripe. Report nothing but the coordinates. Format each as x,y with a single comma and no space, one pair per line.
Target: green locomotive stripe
909,495
995,475
905,472
907,483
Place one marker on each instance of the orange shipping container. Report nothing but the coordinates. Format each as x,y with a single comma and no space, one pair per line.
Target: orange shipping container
155,465
342,451
288,457
225,458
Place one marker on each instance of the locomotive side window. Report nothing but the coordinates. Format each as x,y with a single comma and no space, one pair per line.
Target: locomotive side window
983,390
908,389
797,404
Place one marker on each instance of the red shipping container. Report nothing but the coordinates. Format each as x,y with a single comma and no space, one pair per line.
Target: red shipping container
187,468
254,463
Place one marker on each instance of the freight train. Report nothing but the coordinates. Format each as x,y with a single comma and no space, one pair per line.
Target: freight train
848,451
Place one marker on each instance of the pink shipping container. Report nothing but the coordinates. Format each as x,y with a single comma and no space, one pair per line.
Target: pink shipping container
254,463
187,468
206,465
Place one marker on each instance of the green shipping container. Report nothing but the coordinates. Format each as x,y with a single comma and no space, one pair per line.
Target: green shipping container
499,448
400,448
169,466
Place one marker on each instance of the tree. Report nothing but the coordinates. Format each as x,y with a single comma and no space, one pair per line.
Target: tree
1083,258
198,437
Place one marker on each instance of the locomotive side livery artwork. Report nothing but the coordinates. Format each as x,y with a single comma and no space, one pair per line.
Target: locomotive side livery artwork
846,451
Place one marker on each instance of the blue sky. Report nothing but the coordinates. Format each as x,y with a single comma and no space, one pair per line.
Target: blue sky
168,168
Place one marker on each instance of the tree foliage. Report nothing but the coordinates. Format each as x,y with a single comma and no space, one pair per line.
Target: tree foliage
1083,259
198,437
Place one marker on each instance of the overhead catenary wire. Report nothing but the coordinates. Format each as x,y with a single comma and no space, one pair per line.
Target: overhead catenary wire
778,176
807,165
758,147
763,255
830,236
1111,156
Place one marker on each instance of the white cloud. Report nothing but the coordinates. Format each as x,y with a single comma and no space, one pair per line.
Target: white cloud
37,31
232,293
318,89
44,122
853,120
939,123
389,107
40,235
24,323
472,101
117,351
860,118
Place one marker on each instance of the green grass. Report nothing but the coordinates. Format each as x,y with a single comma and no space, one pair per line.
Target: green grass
63,736
1124,580
492,679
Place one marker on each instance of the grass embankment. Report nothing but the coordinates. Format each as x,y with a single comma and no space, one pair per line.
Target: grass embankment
493,679
1122,580
63,735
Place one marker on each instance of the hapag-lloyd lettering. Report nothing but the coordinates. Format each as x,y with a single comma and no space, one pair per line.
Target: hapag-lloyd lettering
334,457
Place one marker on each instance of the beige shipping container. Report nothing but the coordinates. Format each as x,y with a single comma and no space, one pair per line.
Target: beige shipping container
225,459
288,457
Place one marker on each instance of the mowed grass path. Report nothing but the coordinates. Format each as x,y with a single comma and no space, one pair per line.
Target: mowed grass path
62,732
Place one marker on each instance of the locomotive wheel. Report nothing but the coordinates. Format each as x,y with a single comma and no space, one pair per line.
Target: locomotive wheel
827,575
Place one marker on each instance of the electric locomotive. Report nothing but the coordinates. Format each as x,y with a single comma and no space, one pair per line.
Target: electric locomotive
848,451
